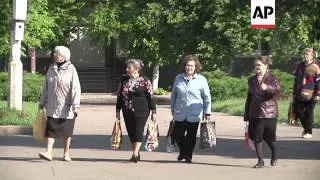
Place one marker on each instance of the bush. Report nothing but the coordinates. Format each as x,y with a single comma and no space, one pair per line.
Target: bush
223,86
160,91
32,86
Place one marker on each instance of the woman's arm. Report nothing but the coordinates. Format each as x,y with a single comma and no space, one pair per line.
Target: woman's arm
174,95
76,89
206,96
119,97
247,105
273,88
44,94
150,98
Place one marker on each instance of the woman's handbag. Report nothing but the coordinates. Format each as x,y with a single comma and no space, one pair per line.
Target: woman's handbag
116,136
248,141
39,125
292,117
170,139
152,136
208,137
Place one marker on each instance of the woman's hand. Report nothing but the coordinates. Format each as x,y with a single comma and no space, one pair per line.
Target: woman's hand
153,116
118,115
264,86
208,117
76,112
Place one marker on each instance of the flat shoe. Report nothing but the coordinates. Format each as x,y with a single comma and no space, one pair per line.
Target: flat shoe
45,156
67,158
274,162
259,165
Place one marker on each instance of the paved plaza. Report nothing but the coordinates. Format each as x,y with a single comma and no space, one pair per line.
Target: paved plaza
93,158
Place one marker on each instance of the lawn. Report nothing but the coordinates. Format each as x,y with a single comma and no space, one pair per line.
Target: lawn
24,118
236,107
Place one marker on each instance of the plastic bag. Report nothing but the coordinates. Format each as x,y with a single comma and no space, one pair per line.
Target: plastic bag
248,141
170,140
39,125
116,137
208,138
152,136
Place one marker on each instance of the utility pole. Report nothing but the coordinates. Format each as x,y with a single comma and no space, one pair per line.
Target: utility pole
15,64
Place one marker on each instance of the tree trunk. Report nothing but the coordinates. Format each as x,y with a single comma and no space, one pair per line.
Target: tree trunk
155,77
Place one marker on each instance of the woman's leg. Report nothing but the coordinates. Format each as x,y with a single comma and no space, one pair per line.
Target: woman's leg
50,145
67,141
270,138
179,130
191,139
258,131
140,123
309,116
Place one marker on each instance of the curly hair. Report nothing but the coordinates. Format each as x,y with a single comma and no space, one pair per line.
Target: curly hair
188,58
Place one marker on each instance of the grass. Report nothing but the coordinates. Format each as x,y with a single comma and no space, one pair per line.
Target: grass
236,107
22,118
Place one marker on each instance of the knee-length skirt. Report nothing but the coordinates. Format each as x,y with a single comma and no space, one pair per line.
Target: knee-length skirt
57,127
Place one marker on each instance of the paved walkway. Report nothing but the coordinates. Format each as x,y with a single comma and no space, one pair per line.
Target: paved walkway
93,159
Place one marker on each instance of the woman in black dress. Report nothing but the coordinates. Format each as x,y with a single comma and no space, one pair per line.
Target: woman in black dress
135,99
261,109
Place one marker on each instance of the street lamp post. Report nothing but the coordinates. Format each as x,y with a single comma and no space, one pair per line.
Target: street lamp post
15,65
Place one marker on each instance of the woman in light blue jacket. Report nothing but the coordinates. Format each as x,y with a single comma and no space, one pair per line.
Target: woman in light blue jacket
190,103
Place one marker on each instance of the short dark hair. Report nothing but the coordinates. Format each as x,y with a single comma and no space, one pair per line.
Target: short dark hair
189,58
264,59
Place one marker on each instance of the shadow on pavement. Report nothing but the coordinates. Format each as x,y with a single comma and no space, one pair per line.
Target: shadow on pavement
234,148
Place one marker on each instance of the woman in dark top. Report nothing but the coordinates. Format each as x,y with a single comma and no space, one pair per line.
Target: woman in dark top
261,109
135,99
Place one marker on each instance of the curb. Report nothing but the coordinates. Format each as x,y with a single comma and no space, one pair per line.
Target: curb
160,100
15,130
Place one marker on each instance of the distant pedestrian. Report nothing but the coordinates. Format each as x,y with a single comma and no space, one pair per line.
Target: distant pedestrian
261,109
190,103
61,98
306,92
135,99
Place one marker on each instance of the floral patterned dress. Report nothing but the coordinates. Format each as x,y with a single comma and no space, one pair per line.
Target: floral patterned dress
135,99
135,94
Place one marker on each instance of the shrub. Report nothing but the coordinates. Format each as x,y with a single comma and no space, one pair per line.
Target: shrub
223,86
32,86
160,91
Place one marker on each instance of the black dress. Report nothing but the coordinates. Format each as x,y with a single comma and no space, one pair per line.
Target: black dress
135,99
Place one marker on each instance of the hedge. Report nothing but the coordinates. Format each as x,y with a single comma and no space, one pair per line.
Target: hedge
223,86
32,86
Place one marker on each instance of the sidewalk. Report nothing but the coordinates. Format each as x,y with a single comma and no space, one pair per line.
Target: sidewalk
93,159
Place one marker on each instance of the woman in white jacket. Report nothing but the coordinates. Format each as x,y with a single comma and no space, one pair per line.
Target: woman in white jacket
61,98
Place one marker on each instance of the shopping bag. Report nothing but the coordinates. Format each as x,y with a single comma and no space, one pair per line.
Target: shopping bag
116,137
208,137
152,136
248,141
39,125
170,139
292,117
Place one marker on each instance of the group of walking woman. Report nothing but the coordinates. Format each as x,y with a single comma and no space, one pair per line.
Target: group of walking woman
190,103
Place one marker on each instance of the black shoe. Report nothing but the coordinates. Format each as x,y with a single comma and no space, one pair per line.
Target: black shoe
181,157
274,162
259,165
188,160
134,158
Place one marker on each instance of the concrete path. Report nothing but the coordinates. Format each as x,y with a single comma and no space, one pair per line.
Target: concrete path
93,159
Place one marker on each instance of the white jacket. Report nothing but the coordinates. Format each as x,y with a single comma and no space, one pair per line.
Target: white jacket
61,91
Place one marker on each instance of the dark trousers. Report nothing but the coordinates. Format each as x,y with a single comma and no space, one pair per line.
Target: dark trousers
185,134
305,112
135,123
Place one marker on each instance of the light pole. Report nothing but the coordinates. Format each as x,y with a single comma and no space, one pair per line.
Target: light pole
15,65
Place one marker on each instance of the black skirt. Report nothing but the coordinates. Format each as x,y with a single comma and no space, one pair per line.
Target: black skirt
263,129
57,128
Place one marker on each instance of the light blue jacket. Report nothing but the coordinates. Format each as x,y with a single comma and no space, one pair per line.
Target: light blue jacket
189,100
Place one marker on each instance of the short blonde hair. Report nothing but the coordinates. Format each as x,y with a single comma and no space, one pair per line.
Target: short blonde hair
63,51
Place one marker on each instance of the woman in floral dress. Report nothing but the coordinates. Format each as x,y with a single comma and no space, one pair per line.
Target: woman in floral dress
135,99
